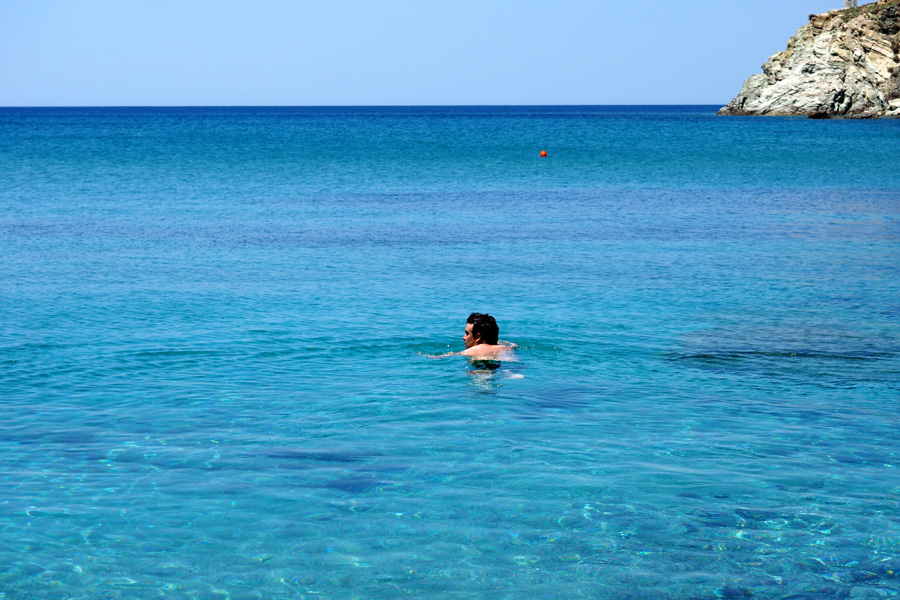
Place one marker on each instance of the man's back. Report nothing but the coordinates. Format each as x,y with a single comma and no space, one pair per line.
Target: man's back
488,351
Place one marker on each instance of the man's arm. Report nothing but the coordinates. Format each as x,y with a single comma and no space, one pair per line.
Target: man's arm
440,355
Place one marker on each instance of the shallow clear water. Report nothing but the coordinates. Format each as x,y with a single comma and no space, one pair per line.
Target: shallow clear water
215,327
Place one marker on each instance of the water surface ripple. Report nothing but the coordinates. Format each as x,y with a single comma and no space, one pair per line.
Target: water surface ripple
216,328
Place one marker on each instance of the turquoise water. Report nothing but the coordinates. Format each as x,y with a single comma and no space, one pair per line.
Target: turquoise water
215,329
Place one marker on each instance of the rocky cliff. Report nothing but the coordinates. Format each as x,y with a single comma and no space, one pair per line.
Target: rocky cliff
842,63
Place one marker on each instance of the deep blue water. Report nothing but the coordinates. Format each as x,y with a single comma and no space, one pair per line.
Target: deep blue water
215,327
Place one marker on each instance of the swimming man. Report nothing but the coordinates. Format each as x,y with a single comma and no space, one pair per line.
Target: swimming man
481,338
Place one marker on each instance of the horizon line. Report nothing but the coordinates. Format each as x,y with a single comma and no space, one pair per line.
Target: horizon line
342,105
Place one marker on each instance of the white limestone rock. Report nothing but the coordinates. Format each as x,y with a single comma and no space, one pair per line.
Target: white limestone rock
842,63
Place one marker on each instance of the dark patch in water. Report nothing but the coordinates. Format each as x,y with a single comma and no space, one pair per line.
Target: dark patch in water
387,468
319,456
890,568
825,356
568,397
757,514
714,519
356,485
859,575
487,365
726,356
734,592
829,592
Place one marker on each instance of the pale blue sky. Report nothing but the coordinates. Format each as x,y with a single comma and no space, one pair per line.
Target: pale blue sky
387,52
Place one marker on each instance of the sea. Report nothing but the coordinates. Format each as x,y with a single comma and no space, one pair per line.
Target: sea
224,339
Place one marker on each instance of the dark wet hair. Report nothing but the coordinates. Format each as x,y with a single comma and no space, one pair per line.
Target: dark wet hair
485,326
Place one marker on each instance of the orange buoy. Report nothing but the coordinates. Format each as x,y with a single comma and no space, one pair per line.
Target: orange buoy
543,153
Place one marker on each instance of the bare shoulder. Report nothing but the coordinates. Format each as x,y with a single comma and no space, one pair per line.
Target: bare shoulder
487,350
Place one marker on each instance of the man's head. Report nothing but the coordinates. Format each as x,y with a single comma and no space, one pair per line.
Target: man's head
481,329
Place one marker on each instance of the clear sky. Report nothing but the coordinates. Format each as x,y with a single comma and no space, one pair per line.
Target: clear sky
387,52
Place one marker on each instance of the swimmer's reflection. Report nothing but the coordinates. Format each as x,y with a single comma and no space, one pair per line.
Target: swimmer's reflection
494,369
484,372
488,374
484,366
